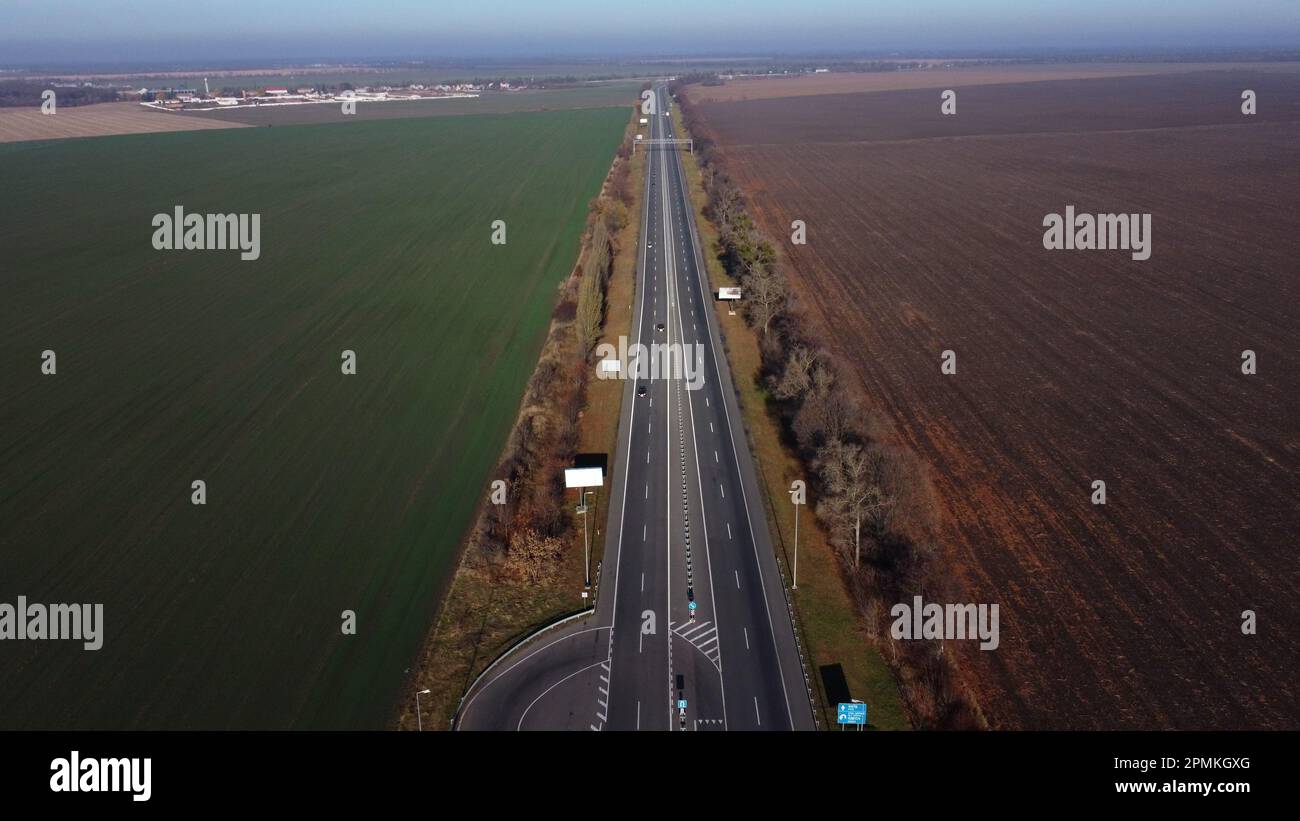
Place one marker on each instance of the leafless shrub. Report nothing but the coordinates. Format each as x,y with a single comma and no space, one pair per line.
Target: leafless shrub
533,556
796,374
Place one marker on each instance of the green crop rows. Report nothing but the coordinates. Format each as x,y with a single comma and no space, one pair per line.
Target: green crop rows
325,492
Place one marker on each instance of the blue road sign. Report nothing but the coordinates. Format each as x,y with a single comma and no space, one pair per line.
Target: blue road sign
681,704
851,713
692,605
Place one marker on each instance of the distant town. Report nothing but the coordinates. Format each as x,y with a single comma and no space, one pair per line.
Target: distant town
190,99
27,92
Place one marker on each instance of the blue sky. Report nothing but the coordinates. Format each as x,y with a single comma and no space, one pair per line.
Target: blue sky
140,30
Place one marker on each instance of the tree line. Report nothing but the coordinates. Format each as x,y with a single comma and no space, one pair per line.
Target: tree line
526,535
19,93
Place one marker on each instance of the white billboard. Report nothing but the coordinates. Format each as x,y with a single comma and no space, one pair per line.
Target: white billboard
584,477
728,293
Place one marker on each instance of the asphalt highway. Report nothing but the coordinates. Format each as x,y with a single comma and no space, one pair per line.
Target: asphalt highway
690,606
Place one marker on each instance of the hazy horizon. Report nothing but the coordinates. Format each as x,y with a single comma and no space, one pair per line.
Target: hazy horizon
94,31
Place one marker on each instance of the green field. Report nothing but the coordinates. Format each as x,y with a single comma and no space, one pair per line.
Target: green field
325,492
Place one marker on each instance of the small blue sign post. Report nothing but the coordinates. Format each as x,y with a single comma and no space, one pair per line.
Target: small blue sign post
851,713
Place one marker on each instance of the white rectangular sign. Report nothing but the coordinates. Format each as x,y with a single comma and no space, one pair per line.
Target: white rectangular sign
584,477
728,293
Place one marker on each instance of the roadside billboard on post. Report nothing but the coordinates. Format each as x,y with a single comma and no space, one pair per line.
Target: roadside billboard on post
583,477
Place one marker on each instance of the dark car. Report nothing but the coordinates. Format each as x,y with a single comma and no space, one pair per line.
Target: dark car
640,389
659,327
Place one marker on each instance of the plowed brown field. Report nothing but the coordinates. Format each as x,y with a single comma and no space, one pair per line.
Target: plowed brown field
103,119
925,234
762,88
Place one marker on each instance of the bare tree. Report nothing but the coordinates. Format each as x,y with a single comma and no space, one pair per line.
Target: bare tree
766,296
761,255
796,376
725,203
850,475
827,412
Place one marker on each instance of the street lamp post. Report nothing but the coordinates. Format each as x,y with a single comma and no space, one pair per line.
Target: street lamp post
586,542
419,721
798,496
